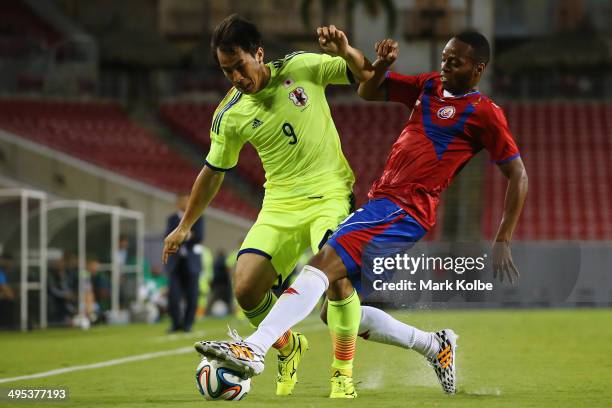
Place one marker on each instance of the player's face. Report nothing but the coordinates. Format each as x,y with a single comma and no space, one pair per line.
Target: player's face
245,71
459,71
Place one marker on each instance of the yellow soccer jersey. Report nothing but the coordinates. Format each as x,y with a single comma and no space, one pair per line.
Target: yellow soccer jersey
290,125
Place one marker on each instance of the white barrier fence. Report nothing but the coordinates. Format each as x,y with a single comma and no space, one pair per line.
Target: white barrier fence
87,245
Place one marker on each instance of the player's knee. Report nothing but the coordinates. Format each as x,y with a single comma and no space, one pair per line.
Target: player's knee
245,295
241,294
246,298
329,263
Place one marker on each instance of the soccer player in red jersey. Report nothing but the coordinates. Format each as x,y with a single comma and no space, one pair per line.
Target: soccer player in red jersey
450,122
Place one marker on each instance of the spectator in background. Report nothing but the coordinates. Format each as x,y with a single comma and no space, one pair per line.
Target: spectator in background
63,297
123,251
206,277
183,270
126,259
220,301
100,286
6,263
156,289
71,262
7,295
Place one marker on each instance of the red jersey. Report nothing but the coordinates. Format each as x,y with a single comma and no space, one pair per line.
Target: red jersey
442,134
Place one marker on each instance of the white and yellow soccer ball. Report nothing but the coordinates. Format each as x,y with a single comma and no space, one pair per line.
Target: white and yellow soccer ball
217,382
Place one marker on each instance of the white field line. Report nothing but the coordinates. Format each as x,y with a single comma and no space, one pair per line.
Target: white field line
117,361
310,326
178,336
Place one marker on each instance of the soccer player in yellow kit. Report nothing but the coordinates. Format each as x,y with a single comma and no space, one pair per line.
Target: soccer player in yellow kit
281,109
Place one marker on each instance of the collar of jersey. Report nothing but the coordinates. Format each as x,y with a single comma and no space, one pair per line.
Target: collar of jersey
269,89
447,95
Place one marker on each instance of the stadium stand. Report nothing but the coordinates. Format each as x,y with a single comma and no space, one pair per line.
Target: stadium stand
567,152
101,133
19,22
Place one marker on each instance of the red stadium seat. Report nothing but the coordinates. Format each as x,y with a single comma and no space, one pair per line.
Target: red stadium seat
567,152
102,134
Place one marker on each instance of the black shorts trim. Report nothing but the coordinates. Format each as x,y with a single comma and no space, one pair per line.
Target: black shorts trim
254,251
328,234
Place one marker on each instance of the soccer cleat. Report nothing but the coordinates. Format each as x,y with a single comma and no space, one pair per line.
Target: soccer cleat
287,366
237,354
342,386
443,362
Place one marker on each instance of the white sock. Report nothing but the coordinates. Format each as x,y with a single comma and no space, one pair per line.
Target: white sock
291,308
379,326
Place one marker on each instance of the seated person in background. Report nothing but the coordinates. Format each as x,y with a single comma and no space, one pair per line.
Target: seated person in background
62,296
7,294
220,301
100,287
156,288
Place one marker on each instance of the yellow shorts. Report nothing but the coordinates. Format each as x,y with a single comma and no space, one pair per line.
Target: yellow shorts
284,230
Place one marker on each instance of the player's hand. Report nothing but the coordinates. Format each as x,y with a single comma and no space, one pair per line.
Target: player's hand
333,41
503,265
173,241
386,51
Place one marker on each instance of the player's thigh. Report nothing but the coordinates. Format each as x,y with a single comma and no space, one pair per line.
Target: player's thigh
253,277
325,218
278,237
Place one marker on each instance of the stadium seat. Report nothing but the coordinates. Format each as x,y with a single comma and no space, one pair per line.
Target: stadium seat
101,133
567,152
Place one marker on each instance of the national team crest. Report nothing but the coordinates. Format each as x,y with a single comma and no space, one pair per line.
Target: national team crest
446,112
298,96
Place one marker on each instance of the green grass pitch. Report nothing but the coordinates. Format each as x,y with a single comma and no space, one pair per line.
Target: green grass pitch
507,358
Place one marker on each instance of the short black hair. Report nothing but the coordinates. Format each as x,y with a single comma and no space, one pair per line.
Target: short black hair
479,43
235,31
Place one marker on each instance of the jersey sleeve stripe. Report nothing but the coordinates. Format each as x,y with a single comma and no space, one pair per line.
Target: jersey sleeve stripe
349,75
279,63
215,168
507,160
217,121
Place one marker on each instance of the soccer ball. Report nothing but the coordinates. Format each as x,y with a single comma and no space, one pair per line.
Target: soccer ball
217,382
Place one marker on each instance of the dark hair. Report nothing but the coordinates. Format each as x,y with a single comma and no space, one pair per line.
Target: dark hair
478,42
235,31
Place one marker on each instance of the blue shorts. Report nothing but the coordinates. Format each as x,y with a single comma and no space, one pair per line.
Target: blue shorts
380,228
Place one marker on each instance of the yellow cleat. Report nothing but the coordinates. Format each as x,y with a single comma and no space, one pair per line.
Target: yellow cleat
342,387
287,366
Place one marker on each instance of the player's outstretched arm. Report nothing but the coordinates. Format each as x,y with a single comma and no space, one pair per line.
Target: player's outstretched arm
334,41
204,189
386,54
503,265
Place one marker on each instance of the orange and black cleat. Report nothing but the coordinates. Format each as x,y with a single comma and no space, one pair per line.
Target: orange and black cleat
444,361
236,354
